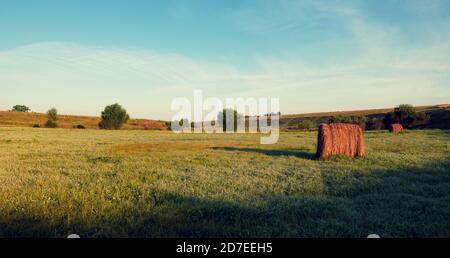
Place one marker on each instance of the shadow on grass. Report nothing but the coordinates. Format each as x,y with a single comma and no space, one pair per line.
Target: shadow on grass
269,152
407,202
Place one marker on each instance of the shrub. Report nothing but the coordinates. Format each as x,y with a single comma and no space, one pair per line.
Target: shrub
306,124
375,124
113,117
389,119
79,126
404,110
422,119
50,124
357,120
52,117
20,108
360,120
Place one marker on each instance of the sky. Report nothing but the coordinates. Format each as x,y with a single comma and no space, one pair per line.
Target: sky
80,56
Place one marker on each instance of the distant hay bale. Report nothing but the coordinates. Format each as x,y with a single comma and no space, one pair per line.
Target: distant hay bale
340,139
395,128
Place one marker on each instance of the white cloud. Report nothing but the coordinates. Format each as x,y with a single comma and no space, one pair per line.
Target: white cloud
80,79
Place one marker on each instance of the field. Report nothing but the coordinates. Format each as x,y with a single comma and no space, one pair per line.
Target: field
132,183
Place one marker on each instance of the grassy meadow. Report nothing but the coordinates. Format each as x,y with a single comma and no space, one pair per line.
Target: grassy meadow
131,183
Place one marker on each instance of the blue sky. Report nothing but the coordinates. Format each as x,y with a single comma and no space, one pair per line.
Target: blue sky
314,55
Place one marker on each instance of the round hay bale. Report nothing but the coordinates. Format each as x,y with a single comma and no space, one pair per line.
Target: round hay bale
395,128
340,139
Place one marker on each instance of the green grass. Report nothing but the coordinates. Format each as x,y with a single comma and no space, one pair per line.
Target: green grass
158,184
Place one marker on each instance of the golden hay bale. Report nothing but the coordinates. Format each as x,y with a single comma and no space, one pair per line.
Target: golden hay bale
396,128
340,139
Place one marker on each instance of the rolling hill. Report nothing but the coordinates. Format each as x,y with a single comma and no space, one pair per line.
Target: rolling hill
440,118
22,119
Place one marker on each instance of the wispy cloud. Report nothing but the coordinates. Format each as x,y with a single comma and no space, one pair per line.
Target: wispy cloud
385,70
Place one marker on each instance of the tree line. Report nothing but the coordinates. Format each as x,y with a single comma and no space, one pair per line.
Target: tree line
404,114
112,117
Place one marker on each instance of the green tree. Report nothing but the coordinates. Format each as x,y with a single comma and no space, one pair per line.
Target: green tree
404,110
52,117
20,108
113,117
389,119
404,114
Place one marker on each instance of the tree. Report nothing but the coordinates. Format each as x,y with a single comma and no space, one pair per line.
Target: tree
20,108
404,114
226,122
404,110
52,117
389,119
113,117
